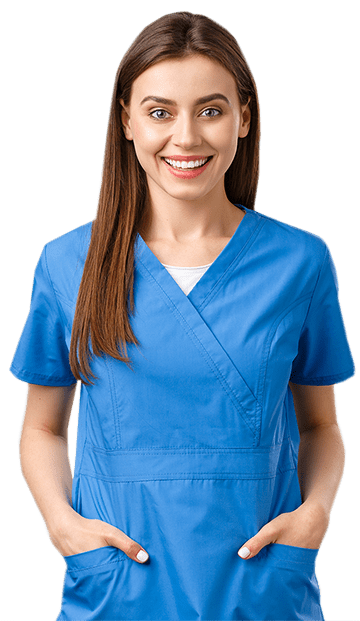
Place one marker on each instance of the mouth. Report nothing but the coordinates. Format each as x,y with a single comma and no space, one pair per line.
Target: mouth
187,165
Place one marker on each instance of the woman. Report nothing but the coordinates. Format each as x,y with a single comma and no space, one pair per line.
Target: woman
207,338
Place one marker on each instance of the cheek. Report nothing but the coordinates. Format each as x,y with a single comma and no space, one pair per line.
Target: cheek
146,138
223,138
227,151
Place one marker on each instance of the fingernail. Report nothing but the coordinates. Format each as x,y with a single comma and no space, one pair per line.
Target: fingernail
244,552
142,556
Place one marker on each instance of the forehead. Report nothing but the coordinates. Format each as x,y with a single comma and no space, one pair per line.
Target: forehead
184,78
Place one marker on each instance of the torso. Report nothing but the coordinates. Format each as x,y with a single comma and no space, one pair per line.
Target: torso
202,422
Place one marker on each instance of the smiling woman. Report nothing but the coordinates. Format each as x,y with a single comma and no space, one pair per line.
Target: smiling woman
188,141
185,502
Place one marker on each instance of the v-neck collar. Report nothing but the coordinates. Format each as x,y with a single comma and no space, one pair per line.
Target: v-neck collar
214,275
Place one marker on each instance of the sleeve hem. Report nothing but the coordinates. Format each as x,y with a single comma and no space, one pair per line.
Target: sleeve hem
326,380
41,380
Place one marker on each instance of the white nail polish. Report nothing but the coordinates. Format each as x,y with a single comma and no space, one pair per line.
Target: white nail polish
244,552
142,556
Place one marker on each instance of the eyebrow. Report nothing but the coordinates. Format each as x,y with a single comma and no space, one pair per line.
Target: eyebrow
201,100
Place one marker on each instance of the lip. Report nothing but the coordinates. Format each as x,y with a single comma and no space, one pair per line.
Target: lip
189,173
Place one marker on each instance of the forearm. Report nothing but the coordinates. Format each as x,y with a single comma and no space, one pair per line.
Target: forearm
46,468
320,465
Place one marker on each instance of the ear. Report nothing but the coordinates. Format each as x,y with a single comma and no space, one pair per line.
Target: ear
125,118
245,120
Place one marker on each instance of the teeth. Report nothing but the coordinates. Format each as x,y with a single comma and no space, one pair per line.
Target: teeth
184,164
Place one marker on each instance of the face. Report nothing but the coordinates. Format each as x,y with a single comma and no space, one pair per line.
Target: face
200,119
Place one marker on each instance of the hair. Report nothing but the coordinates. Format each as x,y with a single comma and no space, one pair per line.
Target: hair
105,299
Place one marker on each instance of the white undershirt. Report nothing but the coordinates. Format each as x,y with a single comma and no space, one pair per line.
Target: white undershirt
186,277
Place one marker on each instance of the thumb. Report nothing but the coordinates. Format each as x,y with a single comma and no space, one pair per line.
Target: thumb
253,546
132,549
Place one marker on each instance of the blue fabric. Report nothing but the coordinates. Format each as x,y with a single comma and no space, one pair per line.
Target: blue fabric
192,451
42,355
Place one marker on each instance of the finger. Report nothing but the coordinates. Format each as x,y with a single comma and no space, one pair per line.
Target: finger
116,537
253,546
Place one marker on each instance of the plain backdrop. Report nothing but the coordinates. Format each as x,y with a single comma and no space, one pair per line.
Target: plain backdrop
59,62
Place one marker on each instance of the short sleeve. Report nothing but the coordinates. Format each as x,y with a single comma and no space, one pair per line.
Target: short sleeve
324,355
42,355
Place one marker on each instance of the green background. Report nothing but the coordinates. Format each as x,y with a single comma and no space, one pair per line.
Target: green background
59,64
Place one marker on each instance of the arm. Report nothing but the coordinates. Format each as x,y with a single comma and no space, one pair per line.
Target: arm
320,468
46,468
43,450
321,451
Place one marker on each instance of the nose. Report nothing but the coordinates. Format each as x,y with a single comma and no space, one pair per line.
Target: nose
186,133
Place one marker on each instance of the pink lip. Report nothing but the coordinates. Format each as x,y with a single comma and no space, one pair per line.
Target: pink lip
187,174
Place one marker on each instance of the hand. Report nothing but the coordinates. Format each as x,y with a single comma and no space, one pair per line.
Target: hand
305,527
74,534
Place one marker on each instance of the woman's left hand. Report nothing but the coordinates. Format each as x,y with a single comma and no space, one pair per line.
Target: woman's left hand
305,527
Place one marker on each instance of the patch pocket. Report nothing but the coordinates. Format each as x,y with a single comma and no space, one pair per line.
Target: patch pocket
283,554
291,572
94,561
93,581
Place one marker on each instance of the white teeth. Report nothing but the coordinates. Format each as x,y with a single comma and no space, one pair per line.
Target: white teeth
184,164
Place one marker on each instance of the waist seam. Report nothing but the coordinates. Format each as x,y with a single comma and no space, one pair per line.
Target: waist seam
174,476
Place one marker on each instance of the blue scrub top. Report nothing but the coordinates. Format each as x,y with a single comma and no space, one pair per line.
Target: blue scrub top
196,448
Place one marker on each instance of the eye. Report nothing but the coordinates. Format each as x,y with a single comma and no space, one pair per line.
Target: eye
214,110
156,117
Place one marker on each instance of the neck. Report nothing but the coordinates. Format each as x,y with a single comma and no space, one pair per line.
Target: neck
178,219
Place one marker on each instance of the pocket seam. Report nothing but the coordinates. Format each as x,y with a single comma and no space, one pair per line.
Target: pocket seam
288,545
71,558
69,570
290,560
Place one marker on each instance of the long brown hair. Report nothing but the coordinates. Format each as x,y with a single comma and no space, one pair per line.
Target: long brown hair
106,298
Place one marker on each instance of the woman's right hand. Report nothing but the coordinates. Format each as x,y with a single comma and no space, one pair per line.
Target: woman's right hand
74,534
45,465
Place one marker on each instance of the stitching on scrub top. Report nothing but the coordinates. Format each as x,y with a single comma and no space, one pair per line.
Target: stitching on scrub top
114,406
227,273
321,378
290,308
193,475
118,560
267,347
290,561
277,323
61,310
186,476
45,377
287,422
298,301
313,291
64,299
191,449
281,224
207,357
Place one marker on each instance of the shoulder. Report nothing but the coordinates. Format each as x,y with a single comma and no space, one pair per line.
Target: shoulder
68,248
285,256
71,244
292,243
65,257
